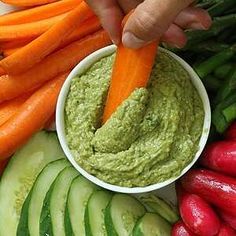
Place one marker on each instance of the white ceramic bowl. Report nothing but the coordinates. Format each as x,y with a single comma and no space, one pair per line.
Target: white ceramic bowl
83,66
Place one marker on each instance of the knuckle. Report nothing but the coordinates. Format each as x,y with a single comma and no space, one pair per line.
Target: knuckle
147,24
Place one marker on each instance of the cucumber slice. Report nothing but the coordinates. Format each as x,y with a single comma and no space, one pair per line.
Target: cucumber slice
53,212
38,193
152,224
80,191
157,205
20,175
94,214
121,215
30,213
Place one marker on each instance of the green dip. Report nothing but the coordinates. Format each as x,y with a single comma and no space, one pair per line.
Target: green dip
151,137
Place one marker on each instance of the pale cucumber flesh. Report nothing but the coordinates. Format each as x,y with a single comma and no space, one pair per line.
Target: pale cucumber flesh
80,191
20,174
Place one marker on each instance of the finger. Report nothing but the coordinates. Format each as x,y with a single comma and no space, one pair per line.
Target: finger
193,18
175,37
150,20
110,15
128,5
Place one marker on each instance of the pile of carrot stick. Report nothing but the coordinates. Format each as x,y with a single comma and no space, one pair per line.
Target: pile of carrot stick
40,46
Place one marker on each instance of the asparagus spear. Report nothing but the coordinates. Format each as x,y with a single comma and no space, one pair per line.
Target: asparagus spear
220,7
218,25
208,66
222,72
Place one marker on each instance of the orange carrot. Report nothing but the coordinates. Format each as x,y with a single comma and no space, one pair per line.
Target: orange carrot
88,27
2,72
39,48
28,30
28,3
131,70
38,13
58,62
14,43
10,51
9,108
30,118
50,122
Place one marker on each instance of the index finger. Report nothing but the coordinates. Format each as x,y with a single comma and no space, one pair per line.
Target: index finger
110,15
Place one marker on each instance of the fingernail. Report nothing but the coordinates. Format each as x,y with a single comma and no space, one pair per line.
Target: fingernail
198,26
131,41
175,45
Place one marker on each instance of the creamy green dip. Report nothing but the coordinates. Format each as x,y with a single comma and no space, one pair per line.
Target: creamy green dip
151,137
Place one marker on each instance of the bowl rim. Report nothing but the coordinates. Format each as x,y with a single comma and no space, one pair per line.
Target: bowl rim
60,125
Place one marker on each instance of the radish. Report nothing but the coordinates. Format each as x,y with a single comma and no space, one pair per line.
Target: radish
221,156
226,230
197,214
229,218
180,229
216,188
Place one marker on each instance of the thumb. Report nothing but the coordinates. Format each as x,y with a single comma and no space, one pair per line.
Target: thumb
150,21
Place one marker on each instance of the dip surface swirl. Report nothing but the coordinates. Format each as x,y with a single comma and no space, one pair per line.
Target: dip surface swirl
153,135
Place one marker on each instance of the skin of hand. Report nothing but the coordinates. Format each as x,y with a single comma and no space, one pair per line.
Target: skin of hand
164,20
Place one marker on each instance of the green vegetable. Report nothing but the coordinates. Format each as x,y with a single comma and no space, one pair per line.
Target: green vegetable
30,214
121,215
228,87
94,215
52,214
19,177
210,46
222,72
218,25
220,7
80,191
156,205
152,225
218,117
230,113
211,83
208,66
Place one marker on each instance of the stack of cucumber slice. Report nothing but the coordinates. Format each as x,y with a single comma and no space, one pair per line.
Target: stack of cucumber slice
42,194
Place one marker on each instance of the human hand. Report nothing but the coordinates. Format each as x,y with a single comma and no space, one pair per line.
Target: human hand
152,19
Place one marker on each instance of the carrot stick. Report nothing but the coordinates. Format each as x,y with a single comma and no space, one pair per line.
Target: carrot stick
39,48
28,30
9,108
2,72
14,43
10,51
30,118
131,70
58,62
88,27
49,122
38,13
27,3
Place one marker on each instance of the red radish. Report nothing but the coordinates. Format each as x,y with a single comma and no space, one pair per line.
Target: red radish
229,218
221,156
180,229
197,214
231,132
216,188
226,230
